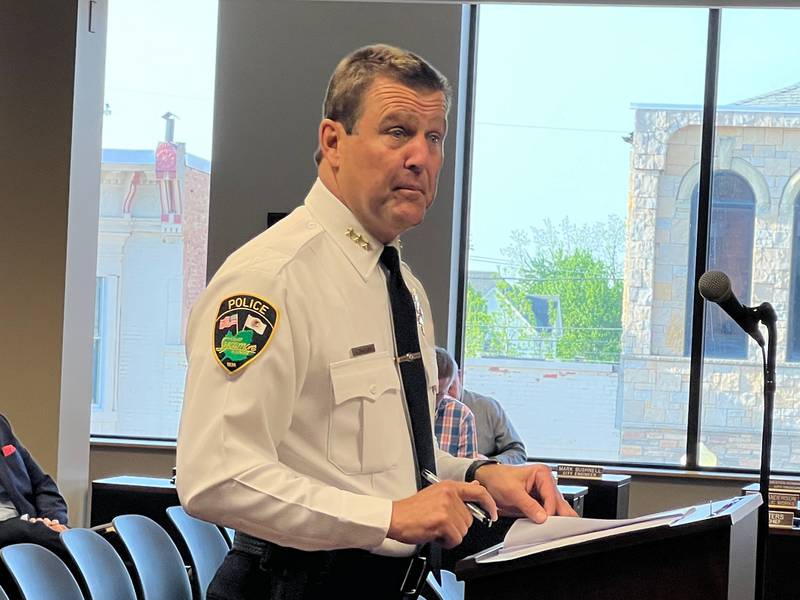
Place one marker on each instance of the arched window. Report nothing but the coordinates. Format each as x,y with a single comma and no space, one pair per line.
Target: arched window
730,249
793,348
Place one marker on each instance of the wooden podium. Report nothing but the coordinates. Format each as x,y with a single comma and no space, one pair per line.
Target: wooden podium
707,556
479,537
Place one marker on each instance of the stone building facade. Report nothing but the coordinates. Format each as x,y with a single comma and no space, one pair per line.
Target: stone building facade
757,150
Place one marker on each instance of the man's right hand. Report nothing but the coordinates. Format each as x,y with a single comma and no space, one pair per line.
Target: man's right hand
438,513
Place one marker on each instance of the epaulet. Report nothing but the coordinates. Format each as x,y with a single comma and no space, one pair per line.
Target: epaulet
276,247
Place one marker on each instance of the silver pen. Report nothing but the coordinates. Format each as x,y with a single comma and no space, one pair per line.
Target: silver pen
476,510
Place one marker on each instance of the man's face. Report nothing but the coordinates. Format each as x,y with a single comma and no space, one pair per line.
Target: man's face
456,387
389,164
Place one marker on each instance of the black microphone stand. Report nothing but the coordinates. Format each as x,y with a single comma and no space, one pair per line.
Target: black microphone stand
766,314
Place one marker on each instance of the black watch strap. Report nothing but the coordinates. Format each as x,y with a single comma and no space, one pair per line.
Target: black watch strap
470,474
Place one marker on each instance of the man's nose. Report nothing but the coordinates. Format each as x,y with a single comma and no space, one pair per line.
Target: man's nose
419,154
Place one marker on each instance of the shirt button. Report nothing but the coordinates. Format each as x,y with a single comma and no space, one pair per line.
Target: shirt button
373,389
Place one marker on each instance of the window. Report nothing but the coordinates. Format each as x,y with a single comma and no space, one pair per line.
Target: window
154,194
755,138
793,345
730,250
104,342
570,164
583,229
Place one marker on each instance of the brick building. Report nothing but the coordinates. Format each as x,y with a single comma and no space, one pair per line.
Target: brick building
151,267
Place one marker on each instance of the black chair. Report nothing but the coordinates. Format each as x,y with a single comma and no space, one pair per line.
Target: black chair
206,544
228,534
39,574
159,570
103,572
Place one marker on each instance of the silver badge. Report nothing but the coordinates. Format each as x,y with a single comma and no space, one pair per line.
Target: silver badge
418,309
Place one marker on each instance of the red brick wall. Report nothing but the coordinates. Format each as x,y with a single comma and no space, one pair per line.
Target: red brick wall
195,238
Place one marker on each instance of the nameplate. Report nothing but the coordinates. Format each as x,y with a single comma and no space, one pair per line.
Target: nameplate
781,519
579,472
362,350
784,485
783,500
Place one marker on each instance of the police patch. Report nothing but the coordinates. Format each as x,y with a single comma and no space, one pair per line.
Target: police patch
242,330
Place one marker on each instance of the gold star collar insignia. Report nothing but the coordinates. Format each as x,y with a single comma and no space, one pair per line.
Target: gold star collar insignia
357,238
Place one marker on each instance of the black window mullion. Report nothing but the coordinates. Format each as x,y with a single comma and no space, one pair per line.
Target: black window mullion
701,253
468,75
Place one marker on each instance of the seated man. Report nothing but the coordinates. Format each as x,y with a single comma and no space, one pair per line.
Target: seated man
31,508
497,437
455,423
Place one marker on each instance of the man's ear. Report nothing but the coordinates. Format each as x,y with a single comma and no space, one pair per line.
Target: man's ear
330,136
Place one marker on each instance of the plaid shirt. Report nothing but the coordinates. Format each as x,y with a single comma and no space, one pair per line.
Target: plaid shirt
455,428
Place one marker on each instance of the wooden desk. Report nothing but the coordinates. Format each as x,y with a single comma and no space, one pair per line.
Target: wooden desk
783,548
576,496
150,496
132,495
608,497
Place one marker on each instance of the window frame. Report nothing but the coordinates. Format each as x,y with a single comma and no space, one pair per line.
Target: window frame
701,240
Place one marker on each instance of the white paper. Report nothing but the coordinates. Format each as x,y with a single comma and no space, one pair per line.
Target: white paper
526,537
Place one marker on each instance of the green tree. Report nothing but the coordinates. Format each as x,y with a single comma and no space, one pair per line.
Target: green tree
478,327
581,266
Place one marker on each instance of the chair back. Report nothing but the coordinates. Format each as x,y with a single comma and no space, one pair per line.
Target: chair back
103,572
39,574
228,534
450,588
159,568
206,544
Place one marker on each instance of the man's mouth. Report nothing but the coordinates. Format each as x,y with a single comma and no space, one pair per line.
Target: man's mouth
410,188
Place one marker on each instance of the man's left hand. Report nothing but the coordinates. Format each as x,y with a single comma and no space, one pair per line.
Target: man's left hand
50,524
528,491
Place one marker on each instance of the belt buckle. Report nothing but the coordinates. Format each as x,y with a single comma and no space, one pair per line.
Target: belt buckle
415,575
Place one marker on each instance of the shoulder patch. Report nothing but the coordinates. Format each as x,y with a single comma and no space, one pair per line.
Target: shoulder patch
242,330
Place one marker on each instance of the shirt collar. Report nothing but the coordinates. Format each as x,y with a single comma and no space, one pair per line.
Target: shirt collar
361,249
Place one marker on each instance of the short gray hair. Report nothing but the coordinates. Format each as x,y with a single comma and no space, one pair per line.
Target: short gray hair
447,367
356,72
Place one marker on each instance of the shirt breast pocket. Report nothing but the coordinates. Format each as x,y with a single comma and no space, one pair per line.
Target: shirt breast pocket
367,419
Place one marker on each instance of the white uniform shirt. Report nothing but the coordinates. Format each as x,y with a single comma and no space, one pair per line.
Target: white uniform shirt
306,446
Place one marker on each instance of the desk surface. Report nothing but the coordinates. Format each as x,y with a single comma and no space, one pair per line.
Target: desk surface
573,490
133,481
609,479
156,482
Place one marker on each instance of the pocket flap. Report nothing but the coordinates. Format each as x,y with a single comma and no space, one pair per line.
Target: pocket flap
364,377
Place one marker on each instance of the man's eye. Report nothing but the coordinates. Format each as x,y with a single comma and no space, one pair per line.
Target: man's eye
435,138
397,132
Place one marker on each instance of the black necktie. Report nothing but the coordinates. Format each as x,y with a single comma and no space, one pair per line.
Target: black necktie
415,385
412,370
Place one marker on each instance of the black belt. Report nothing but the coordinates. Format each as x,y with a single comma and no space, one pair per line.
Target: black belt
351,566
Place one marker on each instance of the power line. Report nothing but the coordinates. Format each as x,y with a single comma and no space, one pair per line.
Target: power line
551,128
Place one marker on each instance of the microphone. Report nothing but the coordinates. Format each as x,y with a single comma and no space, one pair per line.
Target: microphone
715,286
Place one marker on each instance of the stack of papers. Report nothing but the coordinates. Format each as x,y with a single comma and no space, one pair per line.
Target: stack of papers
526,537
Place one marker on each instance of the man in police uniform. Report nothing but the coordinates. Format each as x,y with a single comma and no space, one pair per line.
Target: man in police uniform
294,428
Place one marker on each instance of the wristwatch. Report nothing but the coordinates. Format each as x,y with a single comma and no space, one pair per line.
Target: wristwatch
470,474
